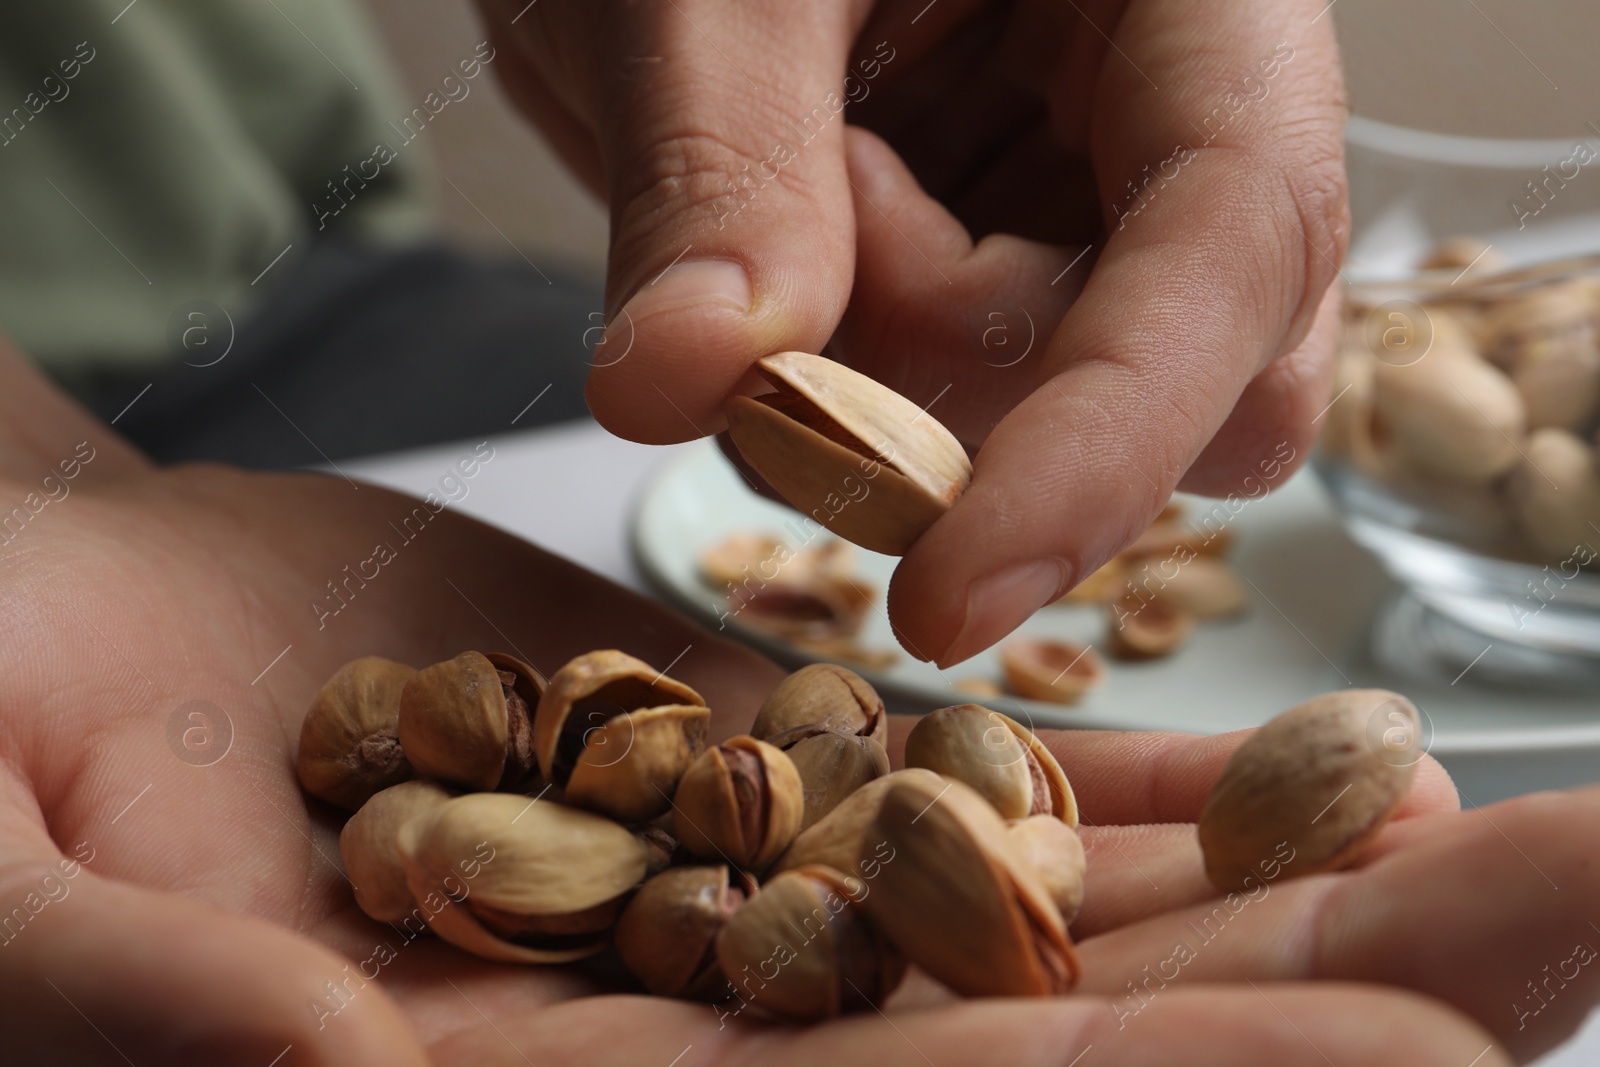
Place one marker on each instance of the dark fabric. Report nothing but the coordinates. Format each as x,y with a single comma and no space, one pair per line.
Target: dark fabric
358,350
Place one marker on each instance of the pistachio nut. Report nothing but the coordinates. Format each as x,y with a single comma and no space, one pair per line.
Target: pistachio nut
1057,672
349,746
1559,379
960,901
1452,415
1307,791
1555,493
369,844
1203,587
519,879
802,950
839,839
997,756
1562,312
617,734
827,695
1055,853
857,457
831,765
1146,629
468,720
740,801
667,935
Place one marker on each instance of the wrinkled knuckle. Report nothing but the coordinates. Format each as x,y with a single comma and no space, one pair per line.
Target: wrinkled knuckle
1316,188
687,174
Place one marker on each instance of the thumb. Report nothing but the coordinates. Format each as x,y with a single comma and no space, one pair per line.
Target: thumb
732,231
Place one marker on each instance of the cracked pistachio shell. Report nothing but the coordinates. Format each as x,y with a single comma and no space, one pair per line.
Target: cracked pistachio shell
1555,493
1307,791
1055,853
1059,672
961,901
349,744
518,879
458,723
831,766
856,456
1559,379
740,801
667,934
997,756
586,692
630,767
1452,415
802,950
369,844
1146,629
827,695
839,838
1203,588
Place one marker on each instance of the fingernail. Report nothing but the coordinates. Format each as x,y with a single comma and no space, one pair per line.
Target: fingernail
691,282
1000,603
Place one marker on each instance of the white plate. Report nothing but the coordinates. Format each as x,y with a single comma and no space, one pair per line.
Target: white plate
1306,633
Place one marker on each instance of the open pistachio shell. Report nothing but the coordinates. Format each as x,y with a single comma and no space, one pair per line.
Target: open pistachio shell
861,459
803,951
995,755
740,801
349,744
667,934
1307,791
1055,853
831,765
839,839
463,722
369,845
1059,672
588,691
1203,588
960,901
629,767
518,879
1146,629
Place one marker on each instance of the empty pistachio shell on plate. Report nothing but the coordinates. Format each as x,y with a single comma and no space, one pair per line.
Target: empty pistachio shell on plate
803,951
369,845
468,720
517,879
1146,629
349,741
667,934
997,756
960,900
857,457
1307,791
1054,851
616,734
1058,672
741,801
1203,587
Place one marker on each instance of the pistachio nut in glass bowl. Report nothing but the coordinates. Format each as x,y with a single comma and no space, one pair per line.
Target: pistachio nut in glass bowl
1461,449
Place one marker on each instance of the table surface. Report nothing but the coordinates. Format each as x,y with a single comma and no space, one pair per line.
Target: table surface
546,485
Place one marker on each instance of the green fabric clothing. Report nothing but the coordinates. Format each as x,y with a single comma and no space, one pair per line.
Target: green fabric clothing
161,152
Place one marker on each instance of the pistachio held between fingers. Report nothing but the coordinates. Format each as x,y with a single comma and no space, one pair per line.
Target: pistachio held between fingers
349,743
802,950
959,899
997,756
740,801
1307,791
1055,853
467,720
369,845
667,935
519,879
859,458
617,734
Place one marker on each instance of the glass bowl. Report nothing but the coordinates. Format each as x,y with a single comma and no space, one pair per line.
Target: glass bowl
1461,446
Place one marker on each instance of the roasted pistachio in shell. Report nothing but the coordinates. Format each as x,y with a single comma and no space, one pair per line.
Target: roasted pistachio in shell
959,899
802,950
667,935
741,801
517,879
349,743
831,766
841,840
859,458
1307,791
369,844
617,734
468,720
996,755
1054,851
826,695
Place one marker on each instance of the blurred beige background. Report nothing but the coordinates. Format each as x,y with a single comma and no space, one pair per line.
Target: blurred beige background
1500,68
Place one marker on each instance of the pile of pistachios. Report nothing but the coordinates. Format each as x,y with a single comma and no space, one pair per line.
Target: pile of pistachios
1480,401
788,871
